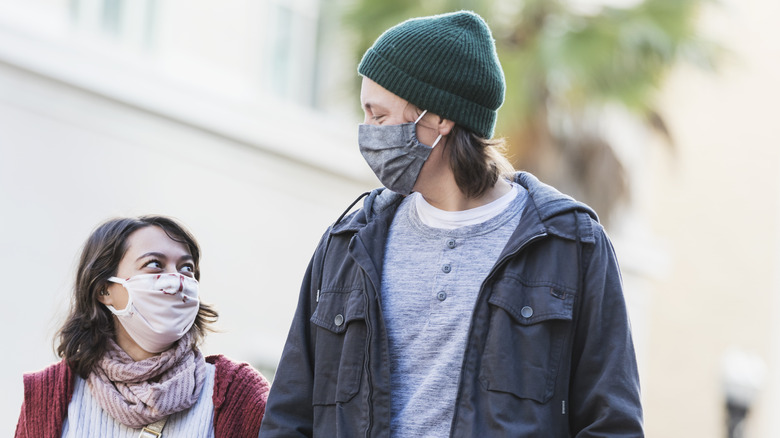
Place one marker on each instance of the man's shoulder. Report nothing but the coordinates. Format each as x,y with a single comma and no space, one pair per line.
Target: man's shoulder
559,213
376,203
549,201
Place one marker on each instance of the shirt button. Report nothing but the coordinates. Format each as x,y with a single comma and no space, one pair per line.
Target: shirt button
451,243
527,312
441,296
338,320
446,268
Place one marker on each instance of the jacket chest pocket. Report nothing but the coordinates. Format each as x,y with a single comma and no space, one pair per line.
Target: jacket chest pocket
340,346
527,333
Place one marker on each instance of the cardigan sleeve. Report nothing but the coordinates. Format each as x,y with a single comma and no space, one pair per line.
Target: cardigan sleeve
240,393
47,394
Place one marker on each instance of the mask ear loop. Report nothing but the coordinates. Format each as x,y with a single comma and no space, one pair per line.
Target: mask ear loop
126,310
437,138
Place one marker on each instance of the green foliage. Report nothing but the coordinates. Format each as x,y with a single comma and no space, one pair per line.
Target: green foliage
561,62
549,49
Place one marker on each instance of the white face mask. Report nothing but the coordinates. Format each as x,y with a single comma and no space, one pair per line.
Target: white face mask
160,309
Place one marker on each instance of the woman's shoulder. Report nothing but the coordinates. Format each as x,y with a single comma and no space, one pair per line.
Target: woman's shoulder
240,393
229,367
232,377
47,394
54,376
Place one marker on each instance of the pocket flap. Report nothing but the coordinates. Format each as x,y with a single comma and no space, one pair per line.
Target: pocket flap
336,309
532,304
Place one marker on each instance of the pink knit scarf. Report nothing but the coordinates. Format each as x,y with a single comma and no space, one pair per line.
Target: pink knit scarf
139,393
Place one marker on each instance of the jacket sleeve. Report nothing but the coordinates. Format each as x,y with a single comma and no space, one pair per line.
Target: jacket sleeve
289,411
604,393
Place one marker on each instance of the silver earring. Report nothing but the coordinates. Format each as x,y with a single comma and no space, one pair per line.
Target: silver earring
103,292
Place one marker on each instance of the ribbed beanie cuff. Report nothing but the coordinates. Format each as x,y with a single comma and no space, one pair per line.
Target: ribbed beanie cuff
446,64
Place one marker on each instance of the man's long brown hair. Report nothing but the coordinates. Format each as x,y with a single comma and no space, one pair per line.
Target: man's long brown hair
476,162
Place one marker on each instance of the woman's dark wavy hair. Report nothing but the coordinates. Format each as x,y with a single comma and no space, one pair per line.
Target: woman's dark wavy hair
83,338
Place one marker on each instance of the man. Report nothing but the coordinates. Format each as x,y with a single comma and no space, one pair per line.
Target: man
460,301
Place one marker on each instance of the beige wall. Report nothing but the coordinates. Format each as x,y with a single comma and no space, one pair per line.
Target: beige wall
715,208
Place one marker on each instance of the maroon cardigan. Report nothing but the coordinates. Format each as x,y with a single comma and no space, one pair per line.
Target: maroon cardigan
240,393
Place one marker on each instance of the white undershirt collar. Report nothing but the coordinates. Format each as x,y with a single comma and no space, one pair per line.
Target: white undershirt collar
437,218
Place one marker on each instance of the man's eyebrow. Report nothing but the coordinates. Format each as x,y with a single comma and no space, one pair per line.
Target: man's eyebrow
373,106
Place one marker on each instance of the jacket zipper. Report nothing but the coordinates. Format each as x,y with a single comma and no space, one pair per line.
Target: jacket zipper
369,331
489,277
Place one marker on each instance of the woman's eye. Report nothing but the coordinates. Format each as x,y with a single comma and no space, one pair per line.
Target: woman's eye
188,269
153,264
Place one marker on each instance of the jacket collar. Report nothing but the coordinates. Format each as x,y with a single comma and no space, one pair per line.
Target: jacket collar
546,212
379,201
551,211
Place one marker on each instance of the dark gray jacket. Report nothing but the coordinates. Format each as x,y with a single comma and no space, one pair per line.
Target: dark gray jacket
549,352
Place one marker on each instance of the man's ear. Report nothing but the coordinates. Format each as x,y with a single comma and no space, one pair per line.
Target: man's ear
445,126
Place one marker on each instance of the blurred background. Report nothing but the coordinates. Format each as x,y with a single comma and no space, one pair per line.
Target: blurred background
239,118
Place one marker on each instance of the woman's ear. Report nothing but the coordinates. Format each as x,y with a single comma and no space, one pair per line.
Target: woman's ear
445,126
104,294
104,297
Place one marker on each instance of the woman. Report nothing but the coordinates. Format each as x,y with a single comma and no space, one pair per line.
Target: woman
130,359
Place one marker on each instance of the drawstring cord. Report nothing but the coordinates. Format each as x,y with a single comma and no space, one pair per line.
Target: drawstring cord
327,242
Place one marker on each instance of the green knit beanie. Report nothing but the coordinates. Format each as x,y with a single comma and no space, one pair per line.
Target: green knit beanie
446,64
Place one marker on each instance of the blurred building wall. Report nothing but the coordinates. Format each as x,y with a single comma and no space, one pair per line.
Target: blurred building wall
191,123
713,205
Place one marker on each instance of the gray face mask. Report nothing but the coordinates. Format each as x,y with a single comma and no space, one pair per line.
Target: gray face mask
394,153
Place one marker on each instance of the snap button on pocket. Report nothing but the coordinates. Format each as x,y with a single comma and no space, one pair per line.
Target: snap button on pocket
339,319
520,315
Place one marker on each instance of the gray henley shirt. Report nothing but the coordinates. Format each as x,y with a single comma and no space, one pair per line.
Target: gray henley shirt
430,282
